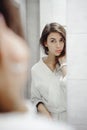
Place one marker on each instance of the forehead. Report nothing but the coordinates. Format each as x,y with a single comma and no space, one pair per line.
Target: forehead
55,35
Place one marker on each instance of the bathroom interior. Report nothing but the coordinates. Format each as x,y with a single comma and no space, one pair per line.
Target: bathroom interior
72,15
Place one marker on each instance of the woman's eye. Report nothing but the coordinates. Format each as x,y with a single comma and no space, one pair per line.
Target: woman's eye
53,40
61,40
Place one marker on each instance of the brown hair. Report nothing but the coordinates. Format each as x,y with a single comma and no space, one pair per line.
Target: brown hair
12,16
49,28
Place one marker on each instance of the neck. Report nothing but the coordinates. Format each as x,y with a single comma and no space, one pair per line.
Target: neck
50,62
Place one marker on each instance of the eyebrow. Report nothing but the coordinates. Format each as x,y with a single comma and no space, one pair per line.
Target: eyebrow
55,38
52,38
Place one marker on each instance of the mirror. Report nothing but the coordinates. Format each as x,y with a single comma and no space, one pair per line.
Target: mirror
42,23
40,13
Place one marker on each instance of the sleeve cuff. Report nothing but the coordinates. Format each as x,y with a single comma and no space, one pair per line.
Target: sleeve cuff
38,104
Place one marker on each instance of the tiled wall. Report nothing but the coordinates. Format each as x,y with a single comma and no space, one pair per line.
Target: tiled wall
53,11
77,63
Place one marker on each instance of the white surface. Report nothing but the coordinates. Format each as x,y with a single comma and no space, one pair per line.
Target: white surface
77,16
29,121
77,101
52,11
77,56
77,62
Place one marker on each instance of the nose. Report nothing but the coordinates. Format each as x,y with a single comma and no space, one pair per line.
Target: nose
58,44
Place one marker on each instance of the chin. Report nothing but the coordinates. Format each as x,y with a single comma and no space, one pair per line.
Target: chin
57,54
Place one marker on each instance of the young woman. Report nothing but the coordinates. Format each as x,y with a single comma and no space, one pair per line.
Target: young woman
48,88
13,58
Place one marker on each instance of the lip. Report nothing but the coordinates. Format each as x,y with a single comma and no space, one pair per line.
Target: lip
58,51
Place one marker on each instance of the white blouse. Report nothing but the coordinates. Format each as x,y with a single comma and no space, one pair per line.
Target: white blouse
49,88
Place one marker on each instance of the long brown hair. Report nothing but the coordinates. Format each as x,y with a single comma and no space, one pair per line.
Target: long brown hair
12,16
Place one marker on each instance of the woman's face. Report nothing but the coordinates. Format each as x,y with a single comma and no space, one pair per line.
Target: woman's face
55,43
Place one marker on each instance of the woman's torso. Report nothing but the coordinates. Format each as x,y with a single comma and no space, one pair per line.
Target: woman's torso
51,87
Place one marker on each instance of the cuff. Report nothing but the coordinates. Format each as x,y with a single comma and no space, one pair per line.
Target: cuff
62,65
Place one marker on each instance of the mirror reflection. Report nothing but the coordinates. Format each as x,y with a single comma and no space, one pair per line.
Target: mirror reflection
48,87
50,21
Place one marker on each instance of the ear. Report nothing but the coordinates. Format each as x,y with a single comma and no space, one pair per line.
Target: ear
45,44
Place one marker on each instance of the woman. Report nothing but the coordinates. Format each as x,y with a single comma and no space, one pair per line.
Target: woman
13,58
48,89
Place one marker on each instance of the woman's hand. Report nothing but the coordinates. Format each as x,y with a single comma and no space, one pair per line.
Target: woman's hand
62,59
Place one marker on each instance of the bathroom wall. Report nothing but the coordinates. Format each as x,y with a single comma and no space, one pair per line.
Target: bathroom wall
77,63
52,11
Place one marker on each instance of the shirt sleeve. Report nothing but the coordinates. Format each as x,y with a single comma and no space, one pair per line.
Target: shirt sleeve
35,93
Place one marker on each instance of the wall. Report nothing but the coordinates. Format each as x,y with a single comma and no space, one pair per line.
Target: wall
33,31
77,63
31,23
53,11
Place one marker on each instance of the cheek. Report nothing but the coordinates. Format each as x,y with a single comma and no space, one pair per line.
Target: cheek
62,46
50,47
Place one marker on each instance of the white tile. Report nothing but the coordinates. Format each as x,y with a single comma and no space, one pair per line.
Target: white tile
77,16
77,101
77,56
59,11
53,11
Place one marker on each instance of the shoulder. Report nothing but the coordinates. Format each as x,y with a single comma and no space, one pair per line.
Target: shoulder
36,67
14,46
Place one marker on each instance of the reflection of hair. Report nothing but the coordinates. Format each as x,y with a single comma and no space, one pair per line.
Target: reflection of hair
49,28
12,16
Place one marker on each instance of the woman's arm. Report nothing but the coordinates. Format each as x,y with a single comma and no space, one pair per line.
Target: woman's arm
42,109
36,97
